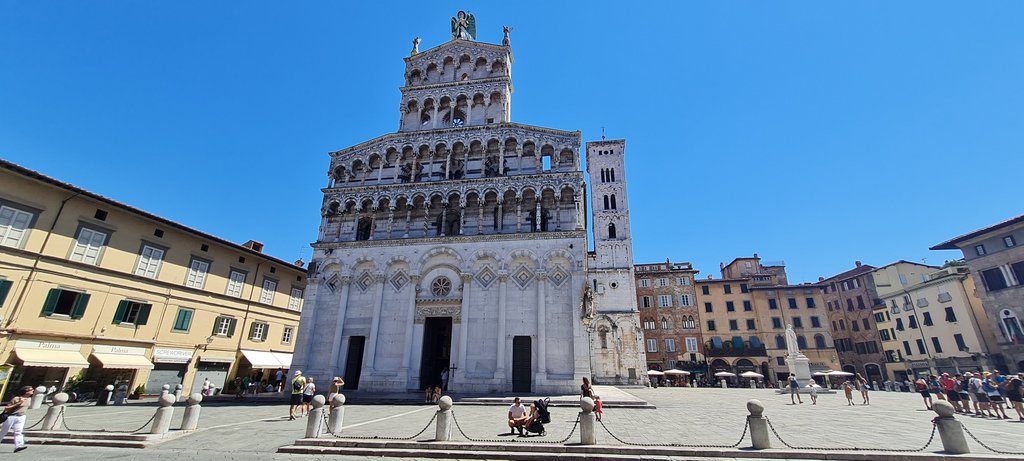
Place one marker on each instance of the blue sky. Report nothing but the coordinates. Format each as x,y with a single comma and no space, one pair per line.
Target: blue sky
818,133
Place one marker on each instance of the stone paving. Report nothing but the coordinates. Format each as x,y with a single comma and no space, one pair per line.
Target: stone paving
256,429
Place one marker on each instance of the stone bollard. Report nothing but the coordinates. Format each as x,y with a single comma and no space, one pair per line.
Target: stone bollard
757,425
315,420
165,389
753,384
53,414
950,430
177,393
724,384
443,430
37,398
588,422
162,421
337,417
191,419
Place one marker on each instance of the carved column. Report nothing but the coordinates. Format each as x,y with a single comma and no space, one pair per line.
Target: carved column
542,334
373,223
558,214
501,217
371,353
576,215
410,321
537,217
448,166
339,323
519,213
467,283
480,217
426,219
408,220
444,219
499,373
462,216
341,224
391,220
380,172
355,224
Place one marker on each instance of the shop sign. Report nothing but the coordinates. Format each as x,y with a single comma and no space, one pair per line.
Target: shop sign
123,350
918,364
47,345
165,355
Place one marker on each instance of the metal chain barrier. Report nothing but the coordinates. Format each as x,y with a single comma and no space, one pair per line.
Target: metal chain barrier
683,445
64,422
34,425
327,430
523,440
988,447
897,450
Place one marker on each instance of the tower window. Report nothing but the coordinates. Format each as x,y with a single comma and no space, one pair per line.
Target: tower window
606,202
613,201
611,231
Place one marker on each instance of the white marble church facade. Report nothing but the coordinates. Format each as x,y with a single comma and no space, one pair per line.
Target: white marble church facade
459,243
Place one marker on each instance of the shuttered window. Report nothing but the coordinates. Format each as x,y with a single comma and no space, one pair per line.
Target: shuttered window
87,248
13,224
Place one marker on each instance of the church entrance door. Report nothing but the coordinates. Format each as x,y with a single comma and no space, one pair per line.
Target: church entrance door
354,361
437,347
522,364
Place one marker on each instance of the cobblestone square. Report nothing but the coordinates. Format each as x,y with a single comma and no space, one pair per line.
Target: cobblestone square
258,428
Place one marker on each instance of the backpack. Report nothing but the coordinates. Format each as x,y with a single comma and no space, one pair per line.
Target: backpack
972,386
296,386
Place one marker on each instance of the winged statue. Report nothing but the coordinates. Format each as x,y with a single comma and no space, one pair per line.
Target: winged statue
464,26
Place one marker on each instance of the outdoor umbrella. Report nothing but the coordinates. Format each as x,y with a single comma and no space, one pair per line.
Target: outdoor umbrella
751,374
839,373
676,372
654,373
724,374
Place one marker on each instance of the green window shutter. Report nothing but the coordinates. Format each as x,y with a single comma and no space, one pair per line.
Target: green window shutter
119,313
80,303
231,327
143,314
266,332
51,301
216,322
252,330
184,320
5,287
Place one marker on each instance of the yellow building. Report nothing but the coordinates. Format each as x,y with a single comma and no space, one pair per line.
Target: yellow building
96,292
895,367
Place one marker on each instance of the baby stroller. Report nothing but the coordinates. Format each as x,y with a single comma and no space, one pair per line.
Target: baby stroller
543,417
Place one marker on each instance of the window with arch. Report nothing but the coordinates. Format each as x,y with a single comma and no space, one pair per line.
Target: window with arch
689,323
613,201
441,286
363,228
606,206
801,342
602,335
819,342
780,342
664,323
611,231
1009,325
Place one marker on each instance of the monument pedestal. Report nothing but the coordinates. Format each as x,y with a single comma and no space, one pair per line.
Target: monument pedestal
800,366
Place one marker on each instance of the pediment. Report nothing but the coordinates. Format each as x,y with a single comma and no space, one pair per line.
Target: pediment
455,48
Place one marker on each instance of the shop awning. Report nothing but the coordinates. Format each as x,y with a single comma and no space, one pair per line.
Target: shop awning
50,358
123,361
285,359
263,359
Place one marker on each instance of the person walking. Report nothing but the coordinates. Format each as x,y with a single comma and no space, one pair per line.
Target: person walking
1014,394
794,389
278,379
848,391
15,411
814,392
598,407
977,387
308,391
967,396
298,384
206,387
948,387
995,400
862,386
337,384
921,386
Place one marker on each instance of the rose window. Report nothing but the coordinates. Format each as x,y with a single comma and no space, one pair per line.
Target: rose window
441,286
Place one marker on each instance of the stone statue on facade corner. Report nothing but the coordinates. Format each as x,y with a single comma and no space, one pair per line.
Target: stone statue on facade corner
415,47
507,30
464,26
588,302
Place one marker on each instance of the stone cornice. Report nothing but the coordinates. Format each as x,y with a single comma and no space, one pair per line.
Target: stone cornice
480,82
451,240
499,182
468,130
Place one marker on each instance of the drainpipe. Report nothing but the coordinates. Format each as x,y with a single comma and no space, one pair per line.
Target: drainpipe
35,264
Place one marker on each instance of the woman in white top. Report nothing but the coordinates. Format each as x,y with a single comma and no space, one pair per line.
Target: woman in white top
308,391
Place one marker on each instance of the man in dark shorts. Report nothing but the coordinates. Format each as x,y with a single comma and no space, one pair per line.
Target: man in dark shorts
298,384
948,386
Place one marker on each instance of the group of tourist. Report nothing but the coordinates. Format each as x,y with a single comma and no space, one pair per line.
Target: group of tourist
978,394
303,391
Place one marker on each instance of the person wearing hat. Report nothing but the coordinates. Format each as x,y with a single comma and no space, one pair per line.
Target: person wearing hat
967,396
995,399
298,384
15,411
948,386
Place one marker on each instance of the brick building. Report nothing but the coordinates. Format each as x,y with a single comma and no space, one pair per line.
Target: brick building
669,317
849,298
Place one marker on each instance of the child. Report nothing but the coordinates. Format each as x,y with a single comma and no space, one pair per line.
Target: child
598,407
848,390
814,393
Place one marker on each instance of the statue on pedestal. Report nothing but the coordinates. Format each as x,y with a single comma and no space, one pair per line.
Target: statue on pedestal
463,26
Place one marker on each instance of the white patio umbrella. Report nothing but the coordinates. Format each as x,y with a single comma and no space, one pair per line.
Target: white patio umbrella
839,373
676,372
820,373
654,373
751,374
724,374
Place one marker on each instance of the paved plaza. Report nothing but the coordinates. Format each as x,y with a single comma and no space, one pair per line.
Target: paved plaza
255,429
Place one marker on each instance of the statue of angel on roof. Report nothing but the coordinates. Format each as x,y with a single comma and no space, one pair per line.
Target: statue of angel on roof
463,26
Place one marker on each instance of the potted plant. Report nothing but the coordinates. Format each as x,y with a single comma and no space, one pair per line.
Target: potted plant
137,393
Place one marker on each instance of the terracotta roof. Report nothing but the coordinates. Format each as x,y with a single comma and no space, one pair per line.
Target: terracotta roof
863,269
18,169
951,243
